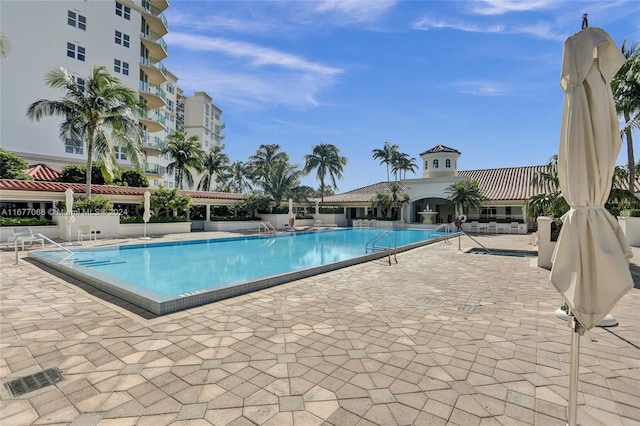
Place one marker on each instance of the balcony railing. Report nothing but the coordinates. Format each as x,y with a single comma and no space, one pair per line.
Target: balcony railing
155,169
154,37
153,142
160,117
161,93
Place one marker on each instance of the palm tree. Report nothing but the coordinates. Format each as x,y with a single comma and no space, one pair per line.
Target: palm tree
326,159
403,164
385,155
262,162
100,116
283,180
239,177
626,94
465,195
215,164
186,153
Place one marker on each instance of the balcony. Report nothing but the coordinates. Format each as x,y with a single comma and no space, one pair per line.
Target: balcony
153,145
151,123
148,93
155,44
156,20
154,171
156,73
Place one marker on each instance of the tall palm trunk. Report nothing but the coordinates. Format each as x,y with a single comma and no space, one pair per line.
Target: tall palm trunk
630,156
90,134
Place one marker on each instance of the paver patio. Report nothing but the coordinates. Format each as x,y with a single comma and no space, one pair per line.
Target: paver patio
371,344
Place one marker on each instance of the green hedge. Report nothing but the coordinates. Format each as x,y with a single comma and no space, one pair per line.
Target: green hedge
233,219
25,221
153,219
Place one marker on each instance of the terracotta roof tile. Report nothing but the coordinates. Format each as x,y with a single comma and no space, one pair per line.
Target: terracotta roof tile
42,172
79,188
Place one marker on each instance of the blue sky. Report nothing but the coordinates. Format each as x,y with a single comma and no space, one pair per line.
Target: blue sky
478,76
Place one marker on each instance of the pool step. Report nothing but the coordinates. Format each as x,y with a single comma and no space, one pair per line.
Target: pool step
97,262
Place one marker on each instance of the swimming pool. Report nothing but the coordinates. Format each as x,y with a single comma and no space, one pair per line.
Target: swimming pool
167,277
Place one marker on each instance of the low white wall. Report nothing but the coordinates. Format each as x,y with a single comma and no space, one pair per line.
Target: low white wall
105,224
329,218
52,232
631,228
137,229
229,225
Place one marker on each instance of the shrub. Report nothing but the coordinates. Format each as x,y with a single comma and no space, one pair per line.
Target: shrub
95,204
153,219
631,213
12,166
165,200
25,221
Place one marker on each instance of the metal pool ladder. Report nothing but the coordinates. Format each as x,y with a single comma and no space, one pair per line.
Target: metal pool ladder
39,235
268,228
371,244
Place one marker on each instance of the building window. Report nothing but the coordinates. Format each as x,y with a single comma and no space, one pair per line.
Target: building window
426,165
80,82
120,155
124,11
507,211
76,20
122,39
488,212
207,106
206,122
170,88
217,116
217,129
435,164
121,67
170,105
447,163
73,148
76,52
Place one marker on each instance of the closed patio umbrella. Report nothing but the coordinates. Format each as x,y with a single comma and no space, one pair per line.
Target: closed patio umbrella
590,262
147,213
292,217
68,201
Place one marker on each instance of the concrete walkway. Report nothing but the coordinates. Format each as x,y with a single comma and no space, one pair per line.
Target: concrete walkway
443,337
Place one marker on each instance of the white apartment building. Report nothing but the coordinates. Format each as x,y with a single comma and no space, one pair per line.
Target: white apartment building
125,36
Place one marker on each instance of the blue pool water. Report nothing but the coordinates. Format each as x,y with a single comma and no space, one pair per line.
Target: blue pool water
177,269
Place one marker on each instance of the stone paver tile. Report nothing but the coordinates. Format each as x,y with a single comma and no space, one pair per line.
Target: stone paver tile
438,408
291,403
381,396
87,419
380,415
223,416
122,421
192,411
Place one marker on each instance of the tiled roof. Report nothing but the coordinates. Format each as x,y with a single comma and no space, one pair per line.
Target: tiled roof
360,195
79,188
512,183
440,148
43,172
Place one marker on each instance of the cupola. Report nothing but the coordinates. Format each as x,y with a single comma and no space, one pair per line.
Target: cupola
440,161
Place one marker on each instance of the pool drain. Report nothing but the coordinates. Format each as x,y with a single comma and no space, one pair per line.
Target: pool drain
23,385
472,309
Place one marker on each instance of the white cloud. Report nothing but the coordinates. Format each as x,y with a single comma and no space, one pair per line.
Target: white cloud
501,7
428,23
256,55
347,11
480,88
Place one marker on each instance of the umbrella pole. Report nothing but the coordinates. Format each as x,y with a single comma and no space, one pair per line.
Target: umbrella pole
578,330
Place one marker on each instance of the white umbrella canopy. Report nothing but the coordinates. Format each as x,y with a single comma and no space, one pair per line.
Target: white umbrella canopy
292,217
68,198
147,207
590,262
